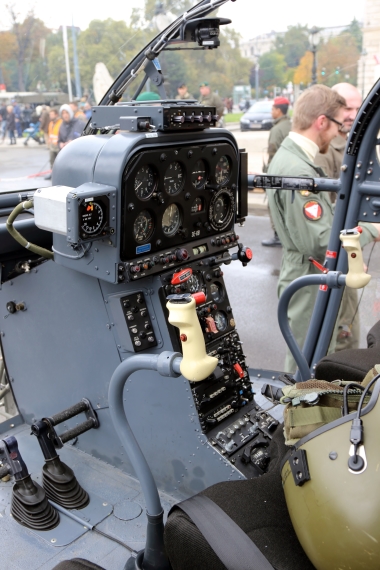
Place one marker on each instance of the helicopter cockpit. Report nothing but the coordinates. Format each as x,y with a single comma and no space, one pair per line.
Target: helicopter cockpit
120,341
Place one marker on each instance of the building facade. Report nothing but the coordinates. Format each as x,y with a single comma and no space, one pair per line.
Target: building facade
369,62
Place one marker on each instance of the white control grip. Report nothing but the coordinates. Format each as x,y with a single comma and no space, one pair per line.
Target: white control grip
196,365
356,278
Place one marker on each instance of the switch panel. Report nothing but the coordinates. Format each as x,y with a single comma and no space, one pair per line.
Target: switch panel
138,321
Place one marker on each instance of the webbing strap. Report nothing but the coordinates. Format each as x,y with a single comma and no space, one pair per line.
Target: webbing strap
238,552
312,415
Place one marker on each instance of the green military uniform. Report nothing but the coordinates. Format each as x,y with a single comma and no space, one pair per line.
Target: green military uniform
304,229
279,131
332,160
348,331
213,100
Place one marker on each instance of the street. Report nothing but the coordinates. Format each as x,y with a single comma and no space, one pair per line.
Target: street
251,289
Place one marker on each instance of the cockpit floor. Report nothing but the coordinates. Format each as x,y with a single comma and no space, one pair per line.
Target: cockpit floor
22,549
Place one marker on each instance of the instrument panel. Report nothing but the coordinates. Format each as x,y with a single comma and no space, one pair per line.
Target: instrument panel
172,196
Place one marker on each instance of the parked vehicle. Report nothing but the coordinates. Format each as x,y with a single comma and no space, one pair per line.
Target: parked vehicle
259,116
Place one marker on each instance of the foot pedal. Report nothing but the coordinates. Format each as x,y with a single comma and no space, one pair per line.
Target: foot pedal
29,506
58,479
61,485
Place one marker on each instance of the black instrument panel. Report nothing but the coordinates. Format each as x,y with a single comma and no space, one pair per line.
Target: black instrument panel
172,196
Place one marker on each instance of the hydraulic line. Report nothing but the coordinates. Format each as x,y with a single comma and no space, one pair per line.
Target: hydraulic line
41,251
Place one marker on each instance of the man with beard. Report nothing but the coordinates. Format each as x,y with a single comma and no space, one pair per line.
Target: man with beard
348,335
304,224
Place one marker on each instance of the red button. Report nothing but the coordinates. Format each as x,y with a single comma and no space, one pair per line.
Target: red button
199,297
248,253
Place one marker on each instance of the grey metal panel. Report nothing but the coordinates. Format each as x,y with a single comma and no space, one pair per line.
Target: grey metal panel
80,153
60,349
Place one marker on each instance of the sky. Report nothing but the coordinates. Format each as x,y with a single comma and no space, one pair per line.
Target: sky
247,16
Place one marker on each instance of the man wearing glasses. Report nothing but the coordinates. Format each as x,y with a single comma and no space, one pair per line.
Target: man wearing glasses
304,224
332,160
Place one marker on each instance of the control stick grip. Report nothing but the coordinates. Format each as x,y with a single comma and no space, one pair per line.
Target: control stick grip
196,365
356,277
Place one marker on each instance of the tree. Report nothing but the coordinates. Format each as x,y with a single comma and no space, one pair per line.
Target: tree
302,73
339,58
272,70
356,32
293,44
8,51
28,35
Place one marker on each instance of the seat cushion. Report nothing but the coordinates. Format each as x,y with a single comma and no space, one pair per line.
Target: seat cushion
351,365
258,506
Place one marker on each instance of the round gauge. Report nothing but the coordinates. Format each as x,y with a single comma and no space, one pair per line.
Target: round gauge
197,206
145,182
221,209
216,291
193,283
222,170
171,220
220,319
199,174
174,178
91,218
143,226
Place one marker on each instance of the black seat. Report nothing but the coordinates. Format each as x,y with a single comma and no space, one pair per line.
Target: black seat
77,564
351,365
258,506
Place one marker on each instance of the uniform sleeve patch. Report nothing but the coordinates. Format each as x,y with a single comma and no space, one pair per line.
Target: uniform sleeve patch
313,210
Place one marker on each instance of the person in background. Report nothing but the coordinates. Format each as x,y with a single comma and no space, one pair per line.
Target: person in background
44,121
3,123
78,113
52,139
183,92
331,162
87,109
303,221
211,99
71,128
17,114
279,131
11,124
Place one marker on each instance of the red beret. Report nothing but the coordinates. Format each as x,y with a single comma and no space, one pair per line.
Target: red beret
281,101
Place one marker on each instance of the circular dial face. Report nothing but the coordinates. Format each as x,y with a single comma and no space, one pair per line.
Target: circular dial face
197,206
143,226
171,220
221,209
199,174
194,283
92,218
216,291
174,178
220,319
145,182
222,170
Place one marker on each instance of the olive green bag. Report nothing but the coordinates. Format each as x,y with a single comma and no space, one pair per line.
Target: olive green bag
314,403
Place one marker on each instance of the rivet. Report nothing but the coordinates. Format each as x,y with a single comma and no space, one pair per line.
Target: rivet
53,540
333,455
105,504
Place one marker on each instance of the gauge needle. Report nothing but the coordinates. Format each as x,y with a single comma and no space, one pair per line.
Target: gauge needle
138,186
